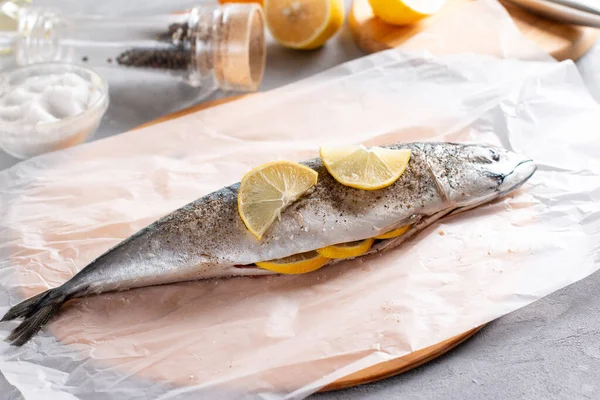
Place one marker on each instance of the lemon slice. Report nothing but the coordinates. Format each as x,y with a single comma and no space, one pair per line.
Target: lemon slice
403,12
268,189
395,233
362,168
303,24
296,264
347,250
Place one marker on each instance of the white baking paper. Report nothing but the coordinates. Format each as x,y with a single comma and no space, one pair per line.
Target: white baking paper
285,337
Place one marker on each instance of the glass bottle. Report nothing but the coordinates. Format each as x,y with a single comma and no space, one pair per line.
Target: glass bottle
209,46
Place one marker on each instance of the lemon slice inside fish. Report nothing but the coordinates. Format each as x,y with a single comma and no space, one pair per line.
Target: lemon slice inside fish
395,233
347,250
296,264
367,169
268,189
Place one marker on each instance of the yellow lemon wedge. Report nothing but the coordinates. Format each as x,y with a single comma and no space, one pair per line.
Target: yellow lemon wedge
296,264
395,233
362,168
347,250
269,189
303,24
404,12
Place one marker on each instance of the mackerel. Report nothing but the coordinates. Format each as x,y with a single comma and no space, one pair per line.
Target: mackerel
207,239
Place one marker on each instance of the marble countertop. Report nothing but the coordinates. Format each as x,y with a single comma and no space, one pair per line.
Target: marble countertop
547,350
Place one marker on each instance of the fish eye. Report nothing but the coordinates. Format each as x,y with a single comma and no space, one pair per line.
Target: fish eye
495,155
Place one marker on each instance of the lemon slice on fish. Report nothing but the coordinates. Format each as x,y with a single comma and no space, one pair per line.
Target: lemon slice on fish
395,233
365,168
296,264
347,250
269,189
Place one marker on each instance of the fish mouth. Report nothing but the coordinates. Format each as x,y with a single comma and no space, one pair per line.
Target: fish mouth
510,182
518,176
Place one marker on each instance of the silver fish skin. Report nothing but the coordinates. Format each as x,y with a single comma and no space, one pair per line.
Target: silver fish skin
207,238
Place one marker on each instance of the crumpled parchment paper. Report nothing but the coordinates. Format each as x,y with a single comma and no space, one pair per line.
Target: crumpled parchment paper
288,336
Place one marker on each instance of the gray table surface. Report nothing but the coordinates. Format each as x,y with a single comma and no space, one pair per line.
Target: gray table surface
547,350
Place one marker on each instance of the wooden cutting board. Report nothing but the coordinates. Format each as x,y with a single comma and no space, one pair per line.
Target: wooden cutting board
375,372
561,41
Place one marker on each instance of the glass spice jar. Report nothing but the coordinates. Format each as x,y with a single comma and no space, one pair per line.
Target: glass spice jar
209,46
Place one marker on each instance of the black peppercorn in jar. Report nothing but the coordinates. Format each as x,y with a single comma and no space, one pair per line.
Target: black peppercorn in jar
210,47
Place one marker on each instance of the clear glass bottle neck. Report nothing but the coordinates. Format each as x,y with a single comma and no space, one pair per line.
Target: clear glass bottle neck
207,46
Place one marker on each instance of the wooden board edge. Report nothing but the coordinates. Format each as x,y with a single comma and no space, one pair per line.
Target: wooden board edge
400,365
580,48
190,110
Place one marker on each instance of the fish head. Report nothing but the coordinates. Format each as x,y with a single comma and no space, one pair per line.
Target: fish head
471,175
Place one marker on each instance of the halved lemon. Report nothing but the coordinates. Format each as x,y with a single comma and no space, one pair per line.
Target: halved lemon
361,168
395,233
403,12
268,189
240,1
303,24
347,250
296,264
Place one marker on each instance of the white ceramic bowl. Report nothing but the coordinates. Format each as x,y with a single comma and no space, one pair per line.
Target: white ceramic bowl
24,139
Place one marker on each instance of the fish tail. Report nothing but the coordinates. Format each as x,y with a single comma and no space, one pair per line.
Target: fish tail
37,311
24,308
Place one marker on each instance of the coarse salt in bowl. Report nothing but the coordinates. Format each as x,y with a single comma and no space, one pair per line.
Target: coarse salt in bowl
49,106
